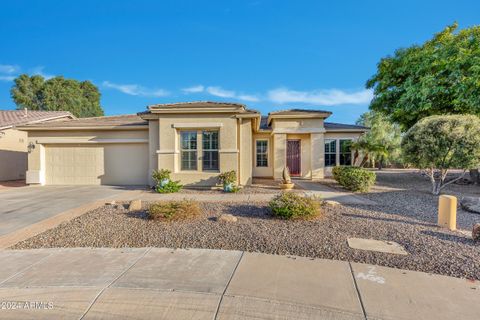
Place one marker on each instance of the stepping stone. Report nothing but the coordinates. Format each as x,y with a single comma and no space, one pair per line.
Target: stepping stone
376,245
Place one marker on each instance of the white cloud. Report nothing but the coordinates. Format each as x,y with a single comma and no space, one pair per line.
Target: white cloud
222,93
194,89
9,69
247,97
39,72
136,90
7,78
330,97
219,92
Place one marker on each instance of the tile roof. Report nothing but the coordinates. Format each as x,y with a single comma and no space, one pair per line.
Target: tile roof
105,121
196,103
288,111
10,118
264,123
328,125
341,126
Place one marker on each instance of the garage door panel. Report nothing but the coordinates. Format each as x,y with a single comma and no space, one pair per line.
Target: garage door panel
122,164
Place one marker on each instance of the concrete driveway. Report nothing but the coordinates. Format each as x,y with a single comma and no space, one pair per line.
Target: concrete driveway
22,207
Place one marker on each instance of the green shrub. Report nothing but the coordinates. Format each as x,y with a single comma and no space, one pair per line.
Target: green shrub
354,178
229,181
174,210
289,205
163,183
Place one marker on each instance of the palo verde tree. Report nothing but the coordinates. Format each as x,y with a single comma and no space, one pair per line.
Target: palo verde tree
437,144
440,77
82,99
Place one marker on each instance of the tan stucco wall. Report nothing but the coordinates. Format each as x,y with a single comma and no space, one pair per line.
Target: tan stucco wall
13,140
115,161
246,163
262,171
13,154
297,123
170,127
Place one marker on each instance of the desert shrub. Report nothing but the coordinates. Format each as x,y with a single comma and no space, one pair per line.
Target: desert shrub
229,181
354,178
174,210
163,183
289,205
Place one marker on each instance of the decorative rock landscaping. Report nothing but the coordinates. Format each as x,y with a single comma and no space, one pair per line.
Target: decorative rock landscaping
406,214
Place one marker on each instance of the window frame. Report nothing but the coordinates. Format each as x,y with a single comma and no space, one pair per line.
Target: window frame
340,153
189,150
266,153
212,151
334,153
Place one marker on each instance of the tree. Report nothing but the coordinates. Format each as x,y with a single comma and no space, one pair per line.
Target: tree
437,144
381,144
439,77
82,99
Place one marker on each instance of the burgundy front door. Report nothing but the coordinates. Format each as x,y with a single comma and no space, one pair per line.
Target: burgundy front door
293,157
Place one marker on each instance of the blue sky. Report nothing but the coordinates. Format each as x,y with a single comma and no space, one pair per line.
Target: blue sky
267,54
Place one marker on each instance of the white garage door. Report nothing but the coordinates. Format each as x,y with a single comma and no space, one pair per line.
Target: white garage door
114,164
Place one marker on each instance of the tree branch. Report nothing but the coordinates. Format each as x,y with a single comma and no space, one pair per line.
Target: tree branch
453,180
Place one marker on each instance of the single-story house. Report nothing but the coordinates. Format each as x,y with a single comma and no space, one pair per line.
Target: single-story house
13,142
196,141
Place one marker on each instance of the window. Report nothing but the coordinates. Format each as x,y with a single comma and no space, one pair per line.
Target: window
188,141
262,153
210,150
345,152
330,153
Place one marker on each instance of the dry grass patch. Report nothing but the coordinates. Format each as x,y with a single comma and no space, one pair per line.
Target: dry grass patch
174,210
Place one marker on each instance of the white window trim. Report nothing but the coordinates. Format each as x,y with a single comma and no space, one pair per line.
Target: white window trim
335,152
199,131
268,153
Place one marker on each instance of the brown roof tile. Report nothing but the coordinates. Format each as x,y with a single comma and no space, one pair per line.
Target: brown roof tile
105,121
10,118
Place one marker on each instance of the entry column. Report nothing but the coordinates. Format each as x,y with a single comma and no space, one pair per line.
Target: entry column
279,154
317,147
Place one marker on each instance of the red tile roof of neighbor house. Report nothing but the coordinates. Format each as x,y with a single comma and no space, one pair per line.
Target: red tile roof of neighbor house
11,118
126,120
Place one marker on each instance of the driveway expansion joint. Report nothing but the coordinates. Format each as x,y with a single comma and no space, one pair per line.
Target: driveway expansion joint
357,289
113,281
226,286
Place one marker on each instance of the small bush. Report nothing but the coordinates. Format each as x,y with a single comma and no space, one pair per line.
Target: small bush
229,181
174,210
354,178
289,205
163,183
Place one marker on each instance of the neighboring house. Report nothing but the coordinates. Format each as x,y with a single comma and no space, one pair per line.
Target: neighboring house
13,143
194,140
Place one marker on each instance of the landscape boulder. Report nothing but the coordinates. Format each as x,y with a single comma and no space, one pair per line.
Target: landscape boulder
226,217
135,205
471,204
331,203
476,232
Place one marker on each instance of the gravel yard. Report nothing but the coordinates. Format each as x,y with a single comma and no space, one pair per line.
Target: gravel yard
406,213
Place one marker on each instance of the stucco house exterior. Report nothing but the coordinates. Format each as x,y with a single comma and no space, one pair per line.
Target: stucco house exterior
194,140
13,142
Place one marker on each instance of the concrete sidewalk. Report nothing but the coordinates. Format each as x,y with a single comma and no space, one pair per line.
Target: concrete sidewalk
161,283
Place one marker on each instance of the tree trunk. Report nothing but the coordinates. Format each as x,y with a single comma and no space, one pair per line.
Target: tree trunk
475,176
